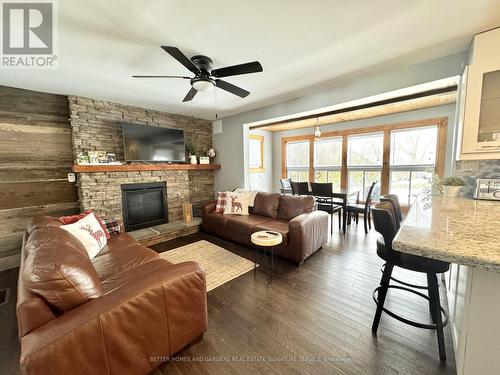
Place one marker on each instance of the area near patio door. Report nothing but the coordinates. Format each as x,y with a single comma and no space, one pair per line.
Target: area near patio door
402,157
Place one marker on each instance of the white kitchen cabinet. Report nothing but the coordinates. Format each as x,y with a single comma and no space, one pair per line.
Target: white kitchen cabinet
480,138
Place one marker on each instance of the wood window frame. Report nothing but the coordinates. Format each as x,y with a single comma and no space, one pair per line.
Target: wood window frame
440,122
260,138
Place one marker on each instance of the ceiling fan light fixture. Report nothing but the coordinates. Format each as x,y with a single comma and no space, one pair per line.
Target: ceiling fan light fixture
203,84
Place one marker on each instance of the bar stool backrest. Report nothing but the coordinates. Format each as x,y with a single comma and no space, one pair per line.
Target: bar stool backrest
393,198
384,222
300,188
396,208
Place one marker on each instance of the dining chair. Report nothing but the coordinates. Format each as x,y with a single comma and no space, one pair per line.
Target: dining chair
355,209
286,186
323,193
300,188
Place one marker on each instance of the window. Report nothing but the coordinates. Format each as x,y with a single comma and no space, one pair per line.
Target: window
328,161
413,159
256,153
364,161
297,160
402,158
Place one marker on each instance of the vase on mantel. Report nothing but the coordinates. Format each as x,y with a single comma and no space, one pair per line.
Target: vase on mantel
193,159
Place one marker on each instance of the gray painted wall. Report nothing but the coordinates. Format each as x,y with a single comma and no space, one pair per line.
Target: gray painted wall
231,144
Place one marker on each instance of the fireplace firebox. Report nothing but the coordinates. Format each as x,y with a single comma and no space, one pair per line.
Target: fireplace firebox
144,205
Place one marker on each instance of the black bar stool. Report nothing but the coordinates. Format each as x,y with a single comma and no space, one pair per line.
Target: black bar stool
385,223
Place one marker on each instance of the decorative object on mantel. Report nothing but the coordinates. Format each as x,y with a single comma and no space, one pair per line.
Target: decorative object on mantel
451,185
191,150
187,212
96,158
211,154
204,160
111,158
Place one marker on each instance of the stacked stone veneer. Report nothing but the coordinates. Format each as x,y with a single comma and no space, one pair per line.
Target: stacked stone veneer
96,126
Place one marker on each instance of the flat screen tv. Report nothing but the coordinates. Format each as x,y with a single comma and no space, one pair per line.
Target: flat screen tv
153,143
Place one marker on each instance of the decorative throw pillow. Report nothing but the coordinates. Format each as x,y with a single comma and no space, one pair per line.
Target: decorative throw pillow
220,206
89,232
74,218
252,195
237,203
112,226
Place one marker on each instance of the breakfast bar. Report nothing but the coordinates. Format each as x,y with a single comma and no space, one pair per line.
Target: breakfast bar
463,232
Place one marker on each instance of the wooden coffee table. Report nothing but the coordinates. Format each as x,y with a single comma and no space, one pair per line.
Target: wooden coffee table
266,241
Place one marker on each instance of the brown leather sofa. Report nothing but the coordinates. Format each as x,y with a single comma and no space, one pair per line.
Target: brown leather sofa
113,314
304,229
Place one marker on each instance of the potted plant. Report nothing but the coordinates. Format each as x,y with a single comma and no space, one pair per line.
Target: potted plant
191,151
452,185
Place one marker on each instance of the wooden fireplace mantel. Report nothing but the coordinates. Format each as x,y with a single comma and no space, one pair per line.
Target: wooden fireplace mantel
142,167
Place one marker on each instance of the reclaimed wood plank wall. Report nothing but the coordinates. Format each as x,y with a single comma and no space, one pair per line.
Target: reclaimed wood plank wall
35,157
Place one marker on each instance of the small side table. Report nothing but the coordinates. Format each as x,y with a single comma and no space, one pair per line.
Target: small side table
267,241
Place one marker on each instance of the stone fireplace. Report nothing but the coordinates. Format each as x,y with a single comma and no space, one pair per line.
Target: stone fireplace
96,126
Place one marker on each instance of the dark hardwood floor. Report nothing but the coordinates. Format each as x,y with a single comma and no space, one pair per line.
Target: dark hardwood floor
312,319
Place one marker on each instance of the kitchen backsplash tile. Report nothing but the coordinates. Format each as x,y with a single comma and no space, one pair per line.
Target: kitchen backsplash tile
471,170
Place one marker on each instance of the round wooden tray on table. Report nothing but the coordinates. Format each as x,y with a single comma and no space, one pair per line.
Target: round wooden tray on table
266,241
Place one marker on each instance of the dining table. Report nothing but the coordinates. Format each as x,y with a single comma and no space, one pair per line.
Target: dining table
343,194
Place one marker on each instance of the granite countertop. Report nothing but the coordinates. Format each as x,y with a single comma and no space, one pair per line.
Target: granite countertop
456,230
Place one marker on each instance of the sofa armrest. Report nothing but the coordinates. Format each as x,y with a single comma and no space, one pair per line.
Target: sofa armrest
208,207
308,232
159,310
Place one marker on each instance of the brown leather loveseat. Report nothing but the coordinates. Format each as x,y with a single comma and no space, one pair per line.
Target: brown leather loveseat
304,229
114,314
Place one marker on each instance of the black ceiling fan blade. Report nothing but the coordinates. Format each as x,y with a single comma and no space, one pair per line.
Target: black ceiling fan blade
182,58
190,95
251,67
139,76
229,87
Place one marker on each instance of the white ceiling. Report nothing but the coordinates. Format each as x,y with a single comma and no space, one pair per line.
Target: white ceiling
304,46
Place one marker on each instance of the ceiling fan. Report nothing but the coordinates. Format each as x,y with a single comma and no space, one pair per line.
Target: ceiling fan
205,78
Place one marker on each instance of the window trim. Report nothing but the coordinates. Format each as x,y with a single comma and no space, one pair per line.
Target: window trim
260,138
441,122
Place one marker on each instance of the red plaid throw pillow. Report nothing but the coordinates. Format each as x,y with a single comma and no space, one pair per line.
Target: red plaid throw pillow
220,206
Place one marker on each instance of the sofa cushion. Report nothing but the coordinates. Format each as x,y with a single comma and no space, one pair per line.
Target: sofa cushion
122,253
266,204
280,226
215,223
294,205
244,224
58,269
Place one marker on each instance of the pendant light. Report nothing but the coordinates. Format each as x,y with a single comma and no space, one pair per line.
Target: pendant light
317,131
